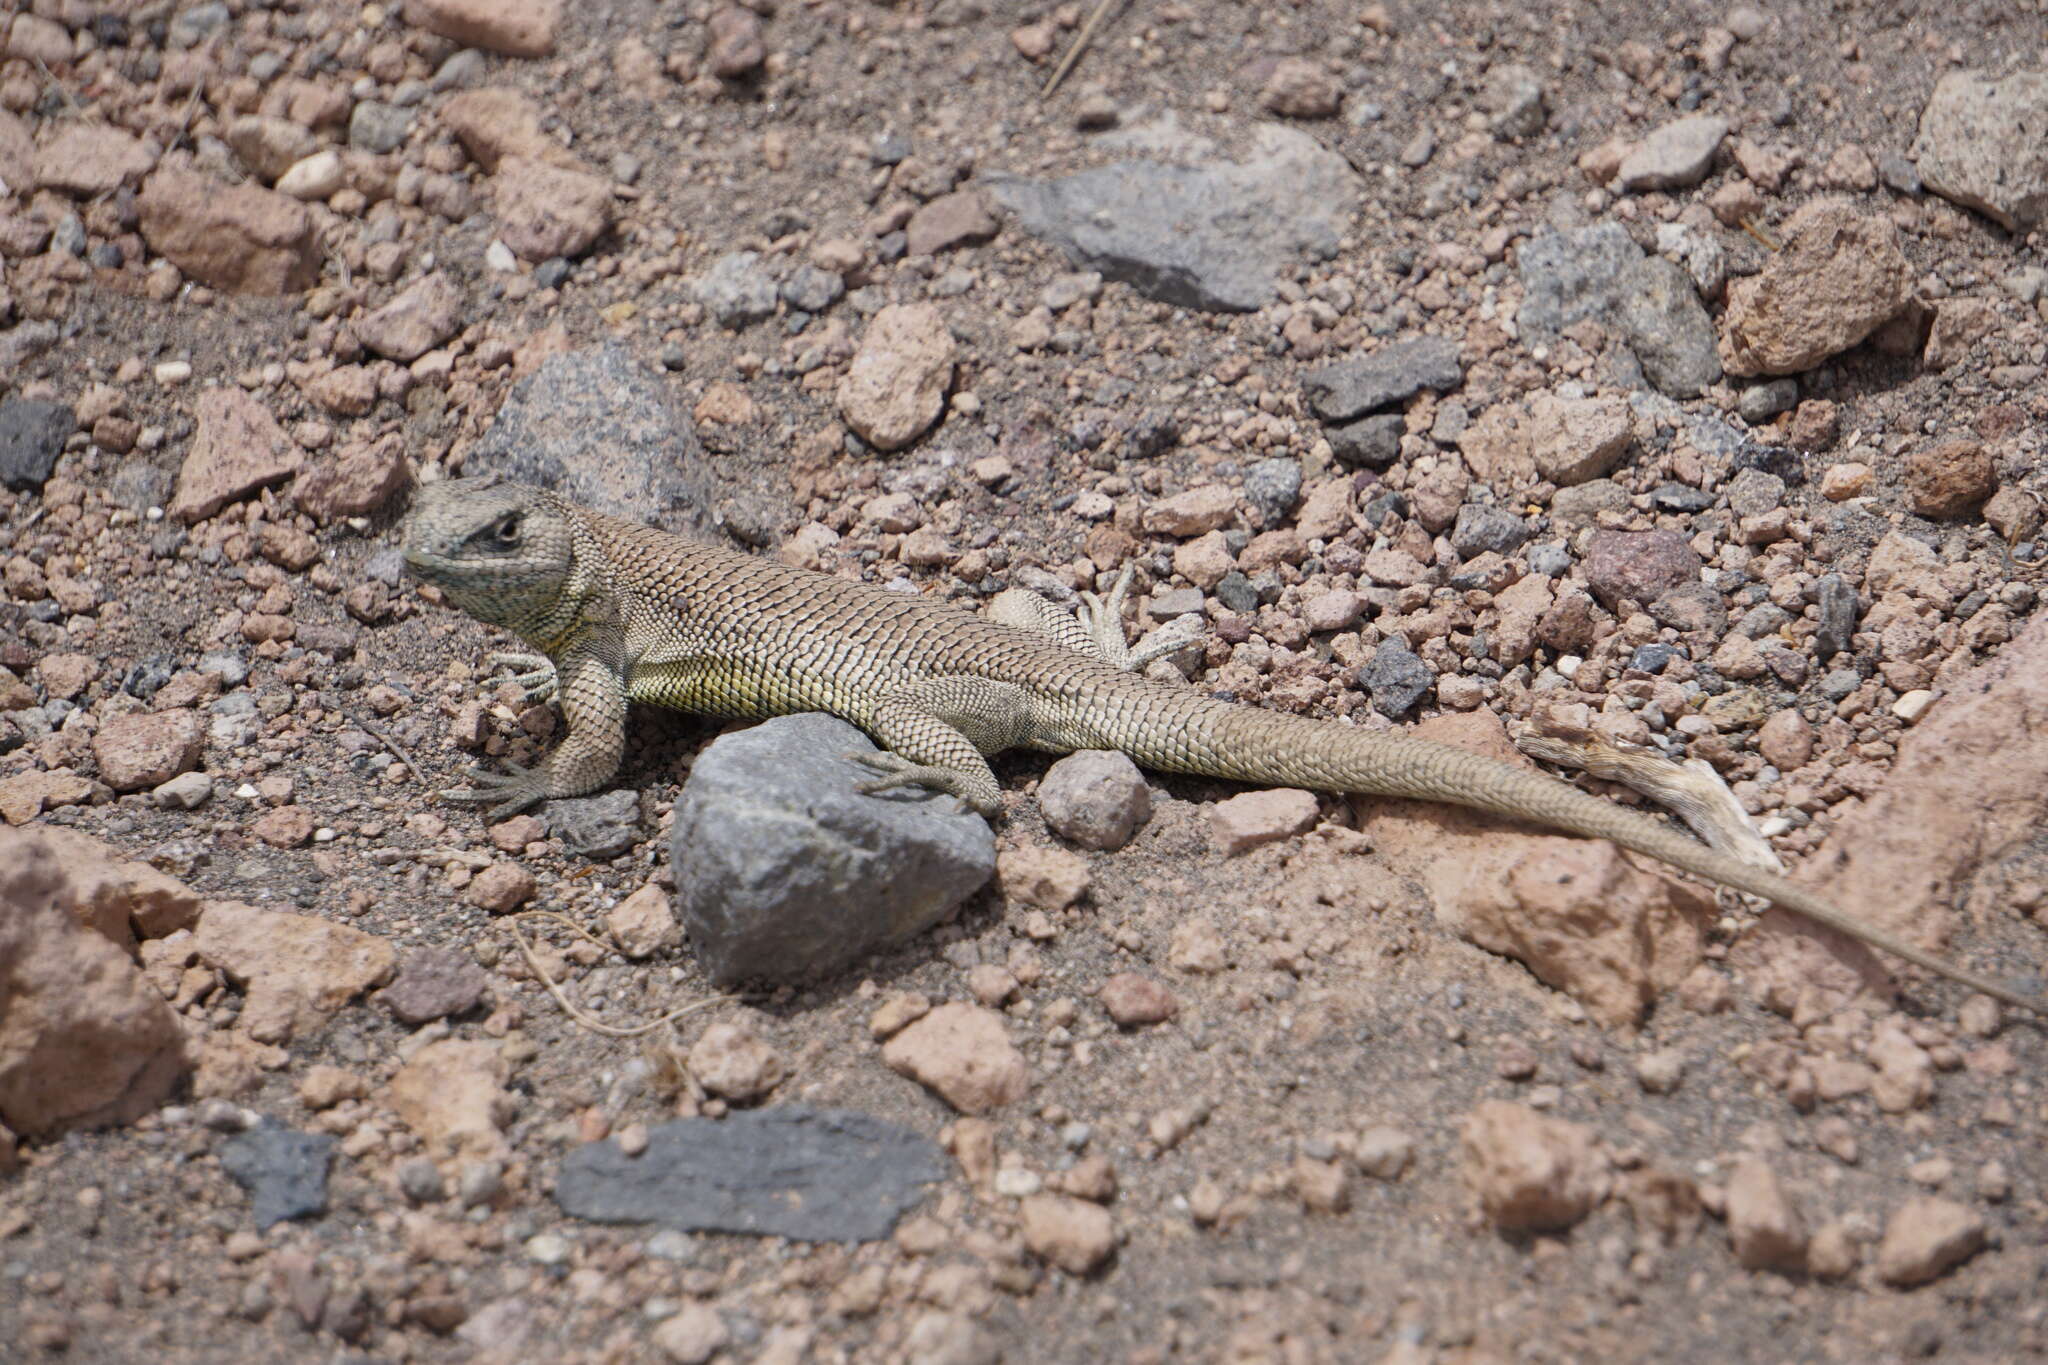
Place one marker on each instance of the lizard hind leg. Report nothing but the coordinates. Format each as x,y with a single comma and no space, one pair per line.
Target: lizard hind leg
935,736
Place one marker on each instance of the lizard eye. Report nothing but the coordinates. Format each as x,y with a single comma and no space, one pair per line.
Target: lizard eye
506,530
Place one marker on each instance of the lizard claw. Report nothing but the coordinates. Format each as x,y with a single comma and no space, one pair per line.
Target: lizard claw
534,674
507,793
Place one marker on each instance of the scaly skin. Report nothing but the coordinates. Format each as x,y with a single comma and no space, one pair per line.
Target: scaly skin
625,613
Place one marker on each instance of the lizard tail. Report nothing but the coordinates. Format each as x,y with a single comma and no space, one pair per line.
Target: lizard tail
1271,748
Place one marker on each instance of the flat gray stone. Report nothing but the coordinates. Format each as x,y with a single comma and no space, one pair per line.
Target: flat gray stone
736,290
596,827
1215,236
284,1171
1568,277
1983,142
1674,156
598,429
1667,327
1345,389
784,871
816,1175
1599,272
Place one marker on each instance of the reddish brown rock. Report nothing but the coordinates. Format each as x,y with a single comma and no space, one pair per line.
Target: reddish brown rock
1639,565
1950,479
424,315
734,1063
1133,998
1049,878
497,122
1839,277
239,448
1252,819
452,1095
546,210
85,1039
516,28
240,238
148,749
732,43
26,795
1301,88
296,969
89,159
1073,1234
358,481
1588,919
963,1054
958,219
1969,786
896,387
1531,1172
102,889
1927,1238
1764,1228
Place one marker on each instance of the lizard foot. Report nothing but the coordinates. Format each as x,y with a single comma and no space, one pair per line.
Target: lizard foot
534,673
512,792
899,771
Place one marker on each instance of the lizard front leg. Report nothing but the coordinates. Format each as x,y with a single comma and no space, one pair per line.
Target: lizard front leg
594,709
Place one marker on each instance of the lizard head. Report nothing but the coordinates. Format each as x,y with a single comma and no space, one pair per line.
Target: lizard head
503,552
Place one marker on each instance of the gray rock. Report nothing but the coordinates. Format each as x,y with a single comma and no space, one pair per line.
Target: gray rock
1691,606
433,983
1568,277
378,127
70,235
1761,402
811,289
284,1171
1752,492
32,435
1369,442
419,1180
1512,94
815,1175
1660,313
1097,798
1983,142
1674,156
1551,557
191,27
1236,592
1837,603
1274,487
784,870
1215,236
1679,497
1762,620
24,342
1582,504
1480,528
1396,677
736,291
1345,389
596,428
1897,173
597,827
1839,683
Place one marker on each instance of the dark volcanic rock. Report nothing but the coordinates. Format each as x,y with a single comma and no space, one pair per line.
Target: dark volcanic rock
817,1175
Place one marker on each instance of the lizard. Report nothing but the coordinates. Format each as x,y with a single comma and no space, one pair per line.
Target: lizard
621,612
